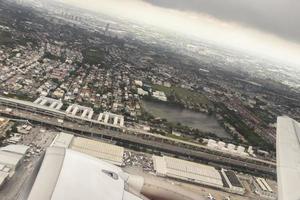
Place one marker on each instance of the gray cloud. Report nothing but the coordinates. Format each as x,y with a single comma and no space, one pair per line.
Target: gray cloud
279,17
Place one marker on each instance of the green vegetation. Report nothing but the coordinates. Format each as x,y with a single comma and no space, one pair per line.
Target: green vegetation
93,56
175,94
53,57
248,133
5,38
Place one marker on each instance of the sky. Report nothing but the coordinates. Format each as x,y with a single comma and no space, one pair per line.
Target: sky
266,27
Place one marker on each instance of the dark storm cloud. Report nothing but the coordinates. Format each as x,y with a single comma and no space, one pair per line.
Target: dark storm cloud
280,17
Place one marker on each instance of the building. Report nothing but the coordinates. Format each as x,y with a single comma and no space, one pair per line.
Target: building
160,95
263,189
11,157
138,83
288,158
142,92
111,118
11,160
17,149
49,102
107,152
187,171
228,148
231,182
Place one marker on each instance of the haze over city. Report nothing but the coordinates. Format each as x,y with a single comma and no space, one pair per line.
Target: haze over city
149,100
269,28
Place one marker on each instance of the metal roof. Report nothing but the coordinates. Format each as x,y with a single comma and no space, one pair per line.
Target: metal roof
187,170
108,152
15,148
8,158
288,158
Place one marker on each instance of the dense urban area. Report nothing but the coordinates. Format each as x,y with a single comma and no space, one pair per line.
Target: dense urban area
103,86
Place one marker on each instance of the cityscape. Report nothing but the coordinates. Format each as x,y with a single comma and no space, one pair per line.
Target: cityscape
174,117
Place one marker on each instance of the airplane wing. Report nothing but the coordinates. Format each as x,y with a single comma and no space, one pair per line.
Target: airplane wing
288,158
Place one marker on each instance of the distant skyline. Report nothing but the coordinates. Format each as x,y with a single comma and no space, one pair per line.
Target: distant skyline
270,27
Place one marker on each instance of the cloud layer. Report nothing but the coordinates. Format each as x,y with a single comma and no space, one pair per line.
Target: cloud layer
280,17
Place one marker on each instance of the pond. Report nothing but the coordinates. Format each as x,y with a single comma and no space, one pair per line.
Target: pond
189,118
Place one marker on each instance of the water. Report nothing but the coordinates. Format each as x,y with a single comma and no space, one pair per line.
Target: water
186,117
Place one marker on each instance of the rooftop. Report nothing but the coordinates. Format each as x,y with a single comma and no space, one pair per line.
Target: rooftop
187,170
108,152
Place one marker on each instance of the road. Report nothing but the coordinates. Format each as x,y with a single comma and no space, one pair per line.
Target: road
145,139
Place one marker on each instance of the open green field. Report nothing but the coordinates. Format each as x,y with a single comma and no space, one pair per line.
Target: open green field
5,38
183,94
93,56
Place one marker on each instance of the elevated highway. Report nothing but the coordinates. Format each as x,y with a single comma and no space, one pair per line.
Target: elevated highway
125,135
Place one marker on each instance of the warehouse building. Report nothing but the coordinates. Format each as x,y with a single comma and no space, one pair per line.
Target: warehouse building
187,171
228,148
107,152
111,118
12,155
231,182
80,111
49,102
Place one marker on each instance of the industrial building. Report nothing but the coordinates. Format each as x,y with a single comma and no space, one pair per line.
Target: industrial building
231,182
187,171
229,148
108,152
49,102
81,111
110,118
160,95
263,189
11,157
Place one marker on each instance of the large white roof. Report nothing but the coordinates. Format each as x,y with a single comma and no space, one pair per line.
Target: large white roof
288,158
15,148
69,175
187,170
108,152
8,158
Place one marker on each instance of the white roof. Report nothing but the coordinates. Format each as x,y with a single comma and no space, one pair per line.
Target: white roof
67,174
62,140
187,170
108,152
16,148
288,158
9,158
